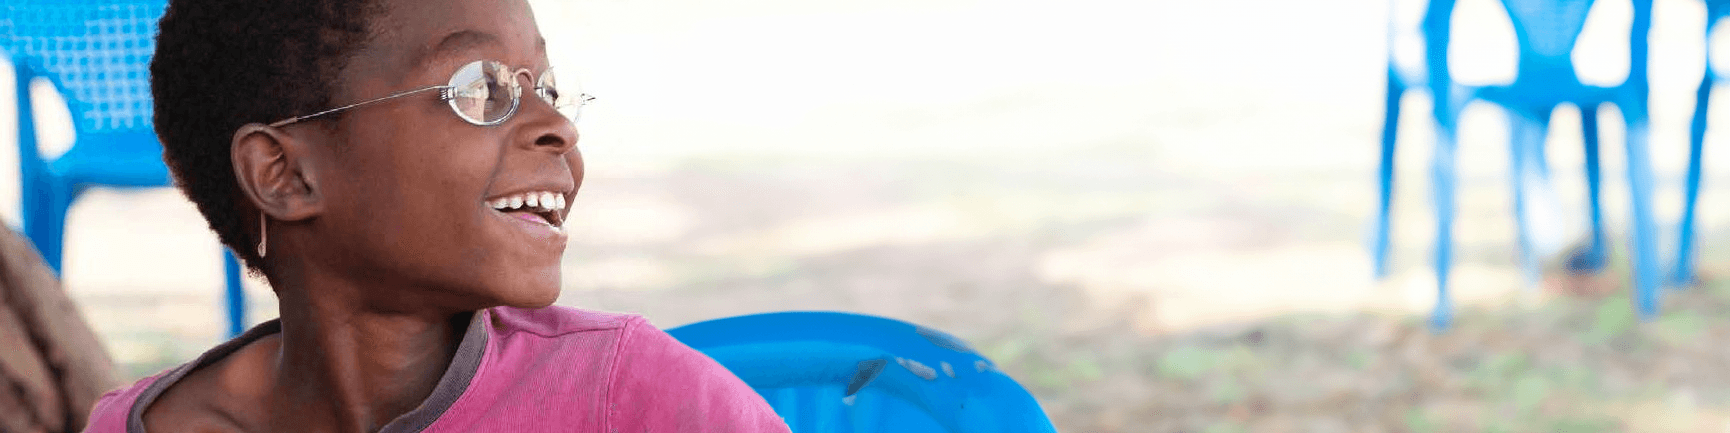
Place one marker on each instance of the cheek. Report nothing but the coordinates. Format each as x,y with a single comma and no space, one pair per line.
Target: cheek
367,183
417,192
446,178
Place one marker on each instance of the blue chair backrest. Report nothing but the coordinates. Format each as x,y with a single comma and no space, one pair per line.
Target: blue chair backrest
1547,31
1547,28
840,372
96,53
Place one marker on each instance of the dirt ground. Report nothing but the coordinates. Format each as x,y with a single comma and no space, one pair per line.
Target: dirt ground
1570,357
980,264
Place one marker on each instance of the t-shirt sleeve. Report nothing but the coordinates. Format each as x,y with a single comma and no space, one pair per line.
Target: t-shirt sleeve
662,385
111,411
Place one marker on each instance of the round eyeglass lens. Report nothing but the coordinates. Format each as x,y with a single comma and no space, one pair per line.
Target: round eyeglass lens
481,93
548,89
469,92
569,99
502,92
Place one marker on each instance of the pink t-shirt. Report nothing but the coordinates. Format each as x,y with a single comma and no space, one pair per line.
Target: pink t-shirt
546,369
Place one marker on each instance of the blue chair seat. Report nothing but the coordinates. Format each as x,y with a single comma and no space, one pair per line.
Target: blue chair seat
842,372
1544,97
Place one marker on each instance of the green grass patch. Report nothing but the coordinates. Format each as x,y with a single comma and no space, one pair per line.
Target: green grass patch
1225,427
1419,420
1085,368
1680,327
1187,362
1611,319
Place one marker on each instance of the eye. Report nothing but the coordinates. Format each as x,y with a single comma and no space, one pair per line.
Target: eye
547,89
551,95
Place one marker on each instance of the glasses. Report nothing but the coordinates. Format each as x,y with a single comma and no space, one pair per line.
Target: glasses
484,93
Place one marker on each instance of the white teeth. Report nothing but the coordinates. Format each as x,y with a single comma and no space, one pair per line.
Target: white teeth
541,200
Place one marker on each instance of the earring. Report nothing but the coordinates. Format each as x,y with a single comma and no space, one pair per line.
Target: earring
263,238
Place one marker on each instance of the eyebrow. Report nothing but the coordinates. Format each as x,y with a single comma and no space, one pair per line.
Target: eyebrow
458,41
467,39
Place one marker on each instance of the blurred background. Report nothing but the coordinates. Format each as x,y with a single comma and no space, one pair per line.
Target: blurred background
1153,214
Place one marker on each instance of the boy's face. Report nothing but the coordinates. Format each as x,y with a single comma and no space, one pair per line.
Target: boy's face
408,184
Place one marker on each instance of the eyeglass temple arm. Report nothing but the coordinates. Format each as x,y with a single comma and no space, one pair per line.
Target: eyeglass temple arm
281,123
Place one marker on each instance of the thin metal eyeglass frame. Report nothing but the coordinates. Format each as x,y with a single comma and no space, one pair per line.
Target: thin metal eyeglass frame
442,95
581,99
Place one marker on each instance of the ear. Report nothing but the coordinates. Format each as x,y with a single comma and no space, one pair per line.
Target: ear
275,172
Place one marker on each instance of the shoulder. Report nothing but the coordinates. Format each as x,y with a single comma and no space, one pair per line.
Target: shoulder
634,376
660,384
566,349
556,321
112,410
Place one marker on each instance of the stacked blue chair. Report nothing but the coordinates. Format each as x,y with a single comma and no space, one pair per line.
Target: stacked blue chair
1546,78
1547,30
841,372
1682,272
97,54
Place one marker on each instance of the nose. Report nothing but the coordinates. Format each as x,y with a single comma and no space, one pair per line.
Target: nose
544,128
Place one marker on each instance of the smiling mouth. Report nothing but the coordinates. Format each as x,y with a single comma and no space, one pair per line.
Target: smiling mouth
541,207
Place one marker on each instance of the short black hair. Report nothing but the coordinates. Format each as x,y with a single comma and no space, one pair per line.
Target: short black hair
221,64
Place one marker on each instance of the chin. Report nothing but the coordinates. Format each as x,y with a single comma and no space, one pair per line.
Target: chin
544,299
533,290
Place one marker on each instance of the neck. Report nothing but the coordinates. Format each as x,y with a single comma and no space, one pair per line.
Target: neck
342,367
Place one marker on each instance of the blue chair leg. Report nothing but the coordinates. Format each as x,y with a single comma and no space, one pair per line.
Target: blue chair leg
1644,232
1525,159
1390,130
1444,173
1682,274
1596,255
235,295
1438,18
45,220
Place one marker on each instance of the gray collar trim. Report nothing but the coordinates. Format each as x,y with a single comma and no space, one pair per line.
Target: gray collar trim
451,386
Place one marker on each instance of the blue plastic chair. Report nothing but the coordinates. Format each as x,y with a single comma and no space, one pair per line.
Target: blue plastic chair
1682,272
97,54
841,372
1546,31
